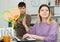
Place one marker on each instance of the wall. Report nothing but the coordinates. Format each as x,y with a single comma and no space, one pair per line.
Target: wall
31,9
6,4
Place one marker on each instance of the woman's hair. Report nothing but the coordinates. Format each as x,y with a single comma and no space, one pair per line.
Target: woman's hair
49,19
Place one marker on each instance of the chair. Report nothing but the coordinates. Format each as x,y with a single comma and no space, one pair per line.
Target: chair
7,31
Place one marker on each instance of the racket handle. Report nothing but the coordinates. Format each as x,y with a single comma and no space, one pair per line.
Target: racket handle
12,25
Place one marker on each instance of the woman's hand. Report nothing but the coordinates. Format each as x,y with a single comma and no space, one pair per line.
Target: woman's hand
27,36
33,36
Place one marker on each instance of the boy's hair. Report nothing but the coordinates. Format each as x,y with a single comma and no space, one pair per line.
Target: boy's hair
21,4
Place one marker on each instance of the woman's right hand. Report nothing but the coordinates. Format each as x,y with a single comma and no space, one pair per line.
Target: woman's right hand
26,36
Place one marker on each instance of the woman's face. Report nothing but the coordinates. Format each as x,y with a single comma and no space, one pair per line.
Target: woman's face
44,12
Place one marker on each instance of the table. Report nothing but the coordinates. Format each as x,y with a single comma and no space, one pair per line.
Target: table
24,40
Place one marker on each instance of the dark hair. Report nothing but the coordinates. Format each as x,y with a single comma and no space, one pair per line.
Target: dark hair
43,6
21,4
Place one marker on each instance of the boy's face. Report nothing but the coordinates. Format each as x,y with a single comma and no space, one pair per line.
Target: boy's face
22,10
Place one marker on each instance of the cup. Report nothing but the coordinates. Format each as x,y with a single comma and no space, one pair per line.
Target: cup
6,38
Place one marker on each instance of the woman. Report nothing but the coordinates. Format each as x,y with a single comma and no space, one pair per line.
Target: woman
45,28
